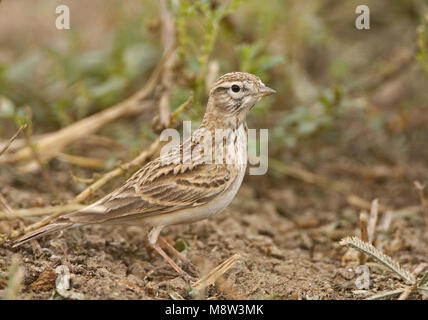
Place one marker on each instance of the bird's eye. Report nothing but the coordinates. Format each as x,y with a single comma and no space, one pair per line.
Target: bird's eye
235,88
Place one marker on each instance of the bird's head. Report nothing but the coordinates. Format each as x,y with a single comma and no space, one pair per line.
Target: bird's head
234,94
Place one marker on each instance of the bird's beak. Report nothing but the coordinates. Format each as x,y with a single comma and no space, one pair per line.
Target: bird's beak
266,91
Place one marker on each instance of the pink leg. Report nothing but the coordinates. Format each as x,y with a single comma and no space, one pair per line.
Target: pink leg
178,255
153,240
175,266
174,251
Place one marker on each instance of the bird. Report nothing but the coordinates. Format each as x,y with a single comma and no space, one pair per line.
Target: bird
172,189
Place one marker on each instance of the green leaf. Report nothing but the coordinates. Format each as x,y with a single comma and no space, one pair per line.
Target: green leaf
113,84
181,245
7,108
22,70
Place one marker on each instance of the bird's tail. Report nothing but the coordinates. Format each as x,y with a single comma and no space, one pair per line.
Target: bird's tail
50,228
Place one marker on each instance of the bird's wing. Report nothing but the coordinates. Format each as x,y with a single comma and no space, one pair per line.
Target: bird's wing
159,188
155,189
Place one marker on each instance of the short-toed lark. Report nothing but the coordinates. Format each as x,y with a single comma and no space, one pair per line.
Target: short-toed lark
173,190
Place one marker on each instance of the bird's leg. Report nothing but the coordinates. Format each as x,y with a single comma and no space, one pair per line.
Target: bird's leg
175,266
171,249
177,254
153,239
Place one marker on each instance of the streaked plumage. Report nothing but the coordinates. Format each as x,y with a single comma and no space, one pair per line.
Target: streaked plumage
167,191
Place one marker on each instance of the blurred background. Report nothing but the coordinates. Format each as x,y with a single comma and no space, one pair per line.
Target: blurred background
347,126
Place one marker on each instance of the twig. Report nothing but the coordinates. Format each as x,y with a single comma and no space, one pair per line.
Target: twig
91,140
216,273
82,180
406,293
53,213
4,203
359,202
70,266
369,172
37,212
3,150
423,290
386,294
187,104
169,42
211,76
80,161
364,235
101,141
420,189
371,228
423,280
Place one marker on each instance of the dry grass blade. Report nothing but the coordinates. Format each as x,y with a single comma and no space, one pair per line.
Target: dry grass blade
7,145
386,294
36,212
369,172
363,227
420,189
364,235
168,41
79,161
424,279
370,250
187,104
371,228
53,213
82,180
4,203
406,293
423,290
364,204
215,273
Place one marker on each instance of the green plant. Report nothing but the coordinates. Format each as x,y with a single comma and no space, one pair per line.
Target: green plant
422,55
409,277
14,279
195,45
303,122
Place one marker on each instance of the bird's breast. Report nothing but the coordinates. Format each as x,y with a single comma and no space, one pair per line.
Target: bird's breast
236,145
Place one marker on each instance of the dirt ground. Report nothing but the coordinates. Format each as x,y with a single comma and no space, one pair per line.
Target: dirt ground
286,228
287,236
